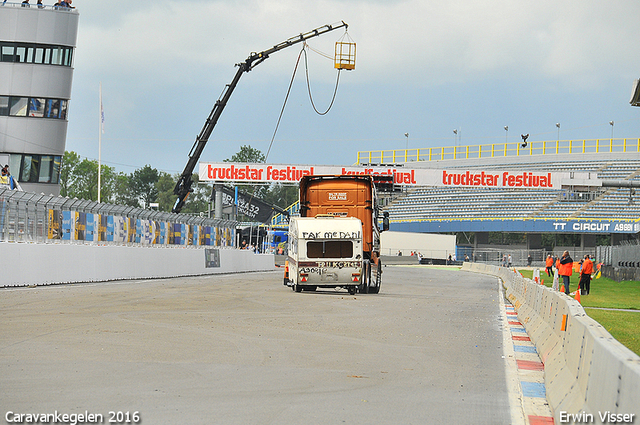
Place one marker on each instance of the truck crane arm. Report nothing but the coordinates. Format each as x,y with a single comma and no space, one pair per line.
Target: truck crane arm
185,181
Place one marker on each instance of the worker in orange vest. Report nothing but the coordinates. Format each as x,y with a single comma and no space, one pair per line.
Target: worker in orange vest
566,270
549,264
585,275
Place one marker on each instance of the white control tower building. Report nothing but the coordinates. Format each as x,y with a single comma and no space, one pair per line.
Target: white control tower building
37,46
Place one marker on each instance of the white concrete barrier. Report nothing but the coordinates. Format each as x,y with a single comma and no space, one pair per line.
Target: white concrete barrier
587,371
42,264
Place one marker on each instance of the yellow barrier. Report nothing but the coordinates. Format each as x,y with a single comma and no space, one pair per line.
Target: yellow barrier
500,150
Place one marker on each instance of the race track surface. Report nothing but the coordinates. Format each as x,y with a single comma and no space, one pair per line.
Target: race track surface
244,349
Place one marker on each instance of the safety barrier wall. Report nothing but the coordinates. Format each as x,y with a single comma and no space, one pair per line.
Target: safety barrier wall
586,369
25,264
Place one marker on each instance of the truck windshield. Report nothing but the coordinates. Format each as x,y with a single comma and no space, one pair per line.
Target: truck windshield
330,249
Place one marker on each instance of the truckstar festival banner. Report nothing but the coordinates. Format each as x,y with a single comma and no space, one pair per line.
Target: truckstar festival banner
460,177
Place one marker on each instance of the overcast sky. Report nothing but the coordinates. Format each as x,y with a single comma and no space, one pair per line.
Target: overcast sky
423,67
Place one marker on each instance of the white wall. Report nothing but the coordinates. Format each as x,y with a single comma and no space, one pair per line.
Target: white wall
430,245
42,264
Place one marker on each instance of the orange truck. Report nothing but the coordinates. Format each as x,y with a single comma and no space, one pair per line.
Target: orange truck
350,196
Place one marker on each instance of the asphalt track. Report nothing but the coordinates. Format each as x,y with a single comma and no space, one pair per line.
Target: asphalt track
244,349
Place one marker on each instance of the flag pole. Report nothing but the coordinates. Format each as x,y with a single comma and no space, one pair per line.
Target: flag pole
100,142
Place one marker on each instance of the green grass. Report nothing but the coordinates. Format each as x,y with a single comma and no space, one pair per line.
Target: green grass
622,325
607,293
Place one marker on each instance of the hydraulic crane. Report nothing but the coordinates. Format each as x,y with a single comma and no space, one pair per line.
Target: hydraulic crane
183,186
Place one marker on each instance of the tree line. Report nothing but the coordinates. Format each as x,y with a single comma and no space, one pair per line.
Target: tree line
147,185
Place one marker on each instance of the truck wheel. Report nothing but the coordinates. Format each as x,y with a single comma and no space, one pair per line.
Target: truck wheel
352,290
297,288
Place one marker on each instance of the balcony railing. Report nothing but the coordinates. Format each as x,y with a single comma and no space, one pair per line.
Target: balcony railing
511,149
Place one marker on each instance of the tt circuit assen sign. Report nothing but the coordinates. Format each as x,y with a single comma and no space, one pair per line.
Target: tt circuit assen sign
279,173
518,225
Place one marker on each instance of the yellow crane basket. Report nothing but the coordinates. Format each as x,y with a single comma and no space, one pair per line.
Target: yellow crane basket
345,55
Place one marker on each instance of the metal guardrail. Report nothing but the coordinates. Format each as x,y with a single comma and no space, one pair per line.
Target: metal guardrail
39,218
500,150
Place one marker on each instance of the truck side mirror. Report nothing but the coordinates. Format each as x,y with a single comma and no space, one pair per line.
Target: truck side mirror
385,221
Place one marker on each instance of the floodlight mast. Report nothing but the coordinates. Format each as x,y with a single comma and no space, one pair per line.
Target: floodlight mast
183,186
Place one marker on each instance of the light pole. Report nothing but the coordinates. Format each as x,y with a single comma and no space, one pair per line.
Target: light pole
558,126
611,124
455,137
506,130
407,136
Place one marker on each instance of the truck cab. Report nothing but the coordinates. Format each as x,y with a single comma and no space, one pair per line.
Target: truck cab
324,252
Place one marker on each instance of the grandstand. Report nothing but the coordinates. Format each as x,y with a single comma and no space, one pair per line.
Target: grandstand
461,203
591,214
576,218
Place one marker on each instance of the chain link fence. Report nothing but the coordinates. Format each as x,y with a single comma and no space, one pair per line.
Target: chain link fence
39,218
520,257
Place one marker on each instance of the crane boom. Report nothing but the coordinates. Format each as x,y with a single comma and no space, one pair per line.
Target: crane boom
183,186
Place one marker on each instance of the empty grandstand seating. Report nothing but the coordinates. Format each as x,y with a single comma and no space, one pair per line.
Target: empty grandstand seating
433,203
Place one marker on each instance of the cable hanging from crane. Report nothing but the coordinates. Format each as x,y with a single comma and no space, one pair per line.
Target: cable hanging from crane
286,98
335,91
344,58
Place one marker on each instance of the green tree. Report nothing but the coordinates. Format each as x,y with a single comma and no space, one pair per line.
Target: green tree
281,195
86,180
67,176
165,185
123,193
198,201
247,154
143,185
79,178
108,176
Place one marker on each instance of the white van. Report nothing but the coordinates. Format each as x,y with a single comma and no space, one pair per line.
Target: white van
324,252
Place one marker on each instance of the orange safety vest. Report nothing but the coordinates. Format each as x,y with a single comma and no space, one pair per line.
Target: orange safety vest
549,262
566,269
587,267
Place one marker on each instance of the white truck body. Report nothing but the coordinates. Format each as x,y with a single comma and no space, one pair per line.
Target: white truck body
324,252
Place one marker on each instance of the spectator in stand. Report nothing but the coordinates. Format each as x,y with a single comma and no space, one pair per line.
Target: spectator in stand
549,265
40,5
25,3
585,275
529,260
509,260
566,270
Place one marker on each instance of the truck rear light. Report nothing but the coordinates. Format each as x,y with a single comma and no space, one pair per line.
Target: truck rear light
355,277
304,277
